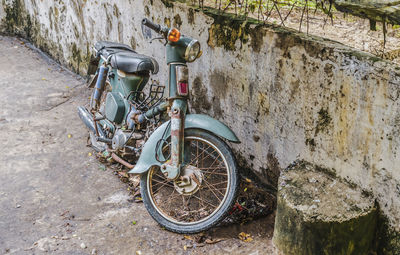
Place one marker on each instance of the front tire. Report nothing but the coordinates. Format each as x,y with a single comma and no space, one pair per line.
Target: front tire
191,208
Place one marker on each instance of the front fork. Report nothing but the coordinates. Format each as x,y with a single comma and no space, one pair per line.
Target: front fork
172,168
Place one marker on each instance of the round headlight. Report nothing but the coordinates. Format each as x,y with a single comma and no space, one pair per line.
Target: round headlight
192,51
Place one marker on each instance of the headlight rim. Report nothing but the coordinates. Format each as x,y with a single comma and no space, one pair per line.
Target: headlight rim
190,45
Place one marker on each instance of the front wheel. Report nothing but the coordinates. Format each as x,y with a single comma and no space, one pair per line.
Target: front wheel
204,193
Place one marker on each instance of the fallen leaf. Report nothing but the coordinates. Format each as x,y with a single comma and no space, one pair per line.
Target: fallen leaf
210,241
137,193
135,180
245,189
90,154
188,237
248,180
69,135
133,222
44,79
105,154
185,247
245,237
123,174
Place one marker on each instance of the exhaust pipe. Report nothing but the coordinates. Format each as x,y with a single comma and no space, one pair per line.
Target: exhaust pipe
87,118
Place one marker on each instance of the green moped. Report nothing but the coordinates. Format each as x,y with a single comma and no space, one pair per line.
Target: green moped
189,176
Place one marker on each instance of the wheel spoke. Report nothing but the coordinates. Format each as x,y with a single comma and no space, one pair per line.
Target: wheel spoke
201,155
212,190
162,185
206,172
204,201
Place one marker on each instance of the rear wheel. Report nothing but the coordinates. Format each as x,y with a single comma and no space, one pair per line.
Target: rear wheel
204,193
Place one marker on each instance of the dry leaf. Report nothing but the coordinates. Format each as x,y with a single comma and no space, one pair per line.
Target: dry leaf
210,241
188,237
123,174
248,180
137,193
135,180
245,237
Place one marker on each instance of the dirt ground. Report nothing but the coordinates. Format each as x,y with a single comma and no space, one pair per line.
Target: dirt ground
55,196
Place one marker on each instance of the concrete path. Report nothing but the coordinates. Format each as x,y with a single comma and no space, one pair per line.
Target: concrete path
55,198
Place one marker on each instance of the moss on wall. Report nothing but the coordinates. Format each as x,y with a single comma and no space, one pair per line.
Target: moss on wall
387,239
16,20
170,3
227,29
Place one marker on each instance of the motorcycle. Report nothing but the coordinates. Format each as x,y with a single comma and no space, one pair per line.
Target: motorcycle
189,176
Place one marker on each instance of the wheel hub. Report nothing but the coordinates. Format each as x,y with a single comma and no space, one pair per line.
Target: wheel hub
190,181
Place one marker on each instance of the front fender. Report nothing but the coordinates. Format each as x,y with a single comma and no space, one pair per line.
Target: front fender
148,159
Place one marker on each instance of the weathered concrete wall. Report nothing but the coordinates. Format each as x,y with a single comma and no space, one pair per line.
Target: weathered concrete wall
287,96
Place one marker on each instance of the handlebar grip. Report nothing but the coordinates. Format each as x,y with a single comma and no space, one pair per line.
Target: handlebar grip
151,25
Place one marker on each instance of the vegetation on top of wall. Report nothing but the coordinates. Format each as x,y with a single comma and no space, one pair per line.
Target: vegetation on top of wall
228,28
306,12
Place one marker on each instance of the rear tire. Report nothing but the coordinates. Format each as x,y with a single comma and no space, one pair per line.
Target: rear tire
211,194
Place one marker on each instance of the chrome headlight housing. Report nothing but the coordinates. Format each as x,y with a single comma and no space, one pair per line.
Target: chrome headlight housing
192,51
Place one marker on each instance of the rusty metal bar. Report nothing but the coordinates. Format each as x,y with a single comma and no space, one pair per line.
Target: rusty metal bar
121,161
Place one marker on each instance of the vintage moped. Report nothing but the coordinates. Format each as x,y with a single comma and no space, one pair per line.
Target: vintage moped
189,176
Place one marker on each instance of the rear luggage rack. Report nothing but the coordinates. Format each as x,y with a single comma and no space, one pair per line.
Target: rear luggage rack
143,103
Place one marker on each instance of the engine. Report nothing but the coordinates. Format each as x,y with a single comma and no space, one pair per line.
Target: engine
123,138
120,139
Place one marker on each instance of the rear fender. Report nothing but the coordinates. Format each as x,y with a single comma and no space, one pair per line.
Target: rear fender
148,159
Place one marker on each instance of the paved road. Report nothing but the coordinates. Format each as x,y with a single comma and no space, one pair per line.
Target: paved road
54,197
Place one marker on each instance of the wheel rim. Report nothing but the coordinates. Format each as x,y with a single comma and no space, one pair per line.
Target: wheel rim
210,168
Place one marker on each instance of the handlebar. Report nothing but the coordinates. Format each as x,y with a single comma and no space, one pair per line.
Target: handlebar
151,25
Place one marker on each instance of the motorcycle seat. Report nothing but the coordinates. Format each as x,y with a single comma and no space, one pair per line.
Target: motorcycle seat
124,58
107,48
